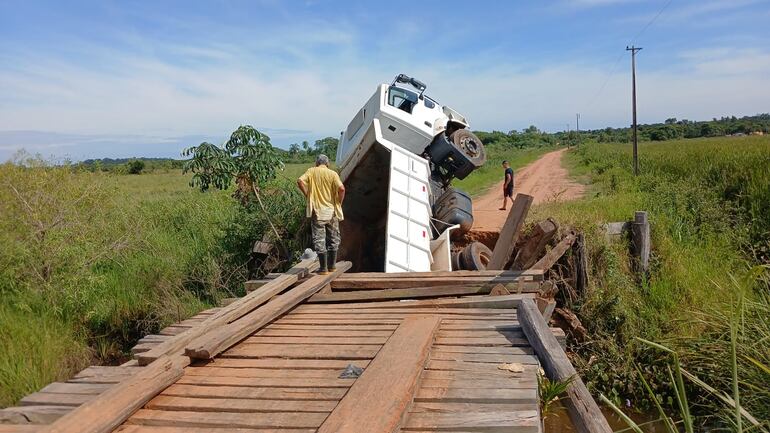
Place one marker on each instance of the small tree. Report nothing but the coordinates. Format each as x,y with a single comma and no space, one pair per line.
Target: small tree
135,166
247,158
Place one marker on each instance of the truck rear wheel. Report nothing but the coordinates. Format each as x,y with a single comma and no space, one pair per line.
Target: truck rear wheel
476,257
470,145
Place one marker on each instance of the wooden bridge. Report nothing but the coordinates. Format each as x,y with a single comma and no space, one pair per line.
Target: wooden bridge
462,359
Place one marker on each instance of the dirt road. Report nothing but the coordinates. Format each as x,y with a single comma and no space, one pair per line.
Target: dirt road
545,179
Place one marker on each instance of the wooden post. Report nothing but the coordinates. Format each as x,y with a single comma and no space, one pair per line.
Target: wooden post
580,256
640,238
510,232
583,410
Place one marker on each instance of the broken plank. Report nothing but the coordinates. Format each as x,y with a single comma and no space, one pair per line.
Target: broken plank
219,339
111,408
583,410
501,254
391,377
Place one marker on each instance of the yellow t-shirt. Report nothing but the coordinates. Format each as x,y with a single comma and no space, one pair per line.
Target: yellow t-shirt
323,186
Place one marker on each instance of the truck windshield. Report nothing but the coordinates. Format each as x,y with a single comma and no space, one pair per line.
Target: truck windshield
402,98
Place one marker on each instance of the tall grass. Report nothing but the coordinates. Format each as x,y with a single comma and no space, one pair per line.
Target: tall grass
92,261
708,202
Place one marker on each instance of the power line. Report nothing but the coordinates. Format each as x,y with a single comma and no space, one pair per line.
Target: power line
613,69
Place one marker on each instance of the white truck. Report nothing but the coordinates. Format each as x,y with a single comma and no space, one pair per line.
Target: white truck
397,158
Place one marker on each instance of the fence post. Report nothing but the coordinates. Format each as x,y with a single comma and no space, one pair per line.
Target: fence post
640,238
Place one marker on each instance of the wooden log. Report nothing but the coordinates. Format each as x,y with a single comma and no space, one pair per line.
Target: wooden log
555,254
640,238
534,246
111,408
220,338
380,398
583,410
510,232
224,316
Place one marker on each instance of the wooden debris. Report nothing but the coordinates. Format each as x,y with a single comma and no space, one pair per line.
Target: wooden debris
419,292
501,255
499,290
555,254
583,410
220,338
380,398
534,245
570,321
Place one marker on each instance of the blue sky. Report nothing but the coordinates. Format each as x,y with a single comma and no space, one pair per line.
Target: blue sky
84,79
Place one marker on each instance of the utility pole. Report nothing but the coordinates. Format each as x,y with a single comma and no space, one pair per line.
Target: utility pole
577,127
633,50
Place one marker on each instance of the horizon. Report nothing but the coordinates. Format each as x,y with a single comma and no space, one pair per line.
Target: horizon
161,77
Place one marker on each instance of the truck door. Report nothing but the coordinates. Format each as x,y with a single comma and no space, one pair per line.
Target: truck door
408,228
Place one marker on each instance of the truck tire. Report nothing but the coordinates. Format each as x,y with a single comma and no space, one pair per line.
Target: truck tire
475,257
470,145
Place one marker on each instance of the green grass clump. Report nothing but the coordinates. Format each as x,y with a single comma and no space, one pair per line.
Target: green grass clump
93,261
708,205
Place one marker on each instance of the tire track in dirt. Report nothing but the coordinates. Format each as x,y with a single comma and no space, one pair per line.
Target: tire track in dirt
545,179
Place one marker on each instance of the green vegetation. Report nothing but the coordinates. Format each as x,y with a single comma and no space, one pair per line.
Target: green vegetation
708,201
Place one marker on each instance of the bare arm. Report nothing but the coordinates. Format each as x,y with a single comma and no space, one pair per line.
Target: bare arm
341,193
302,187
507,180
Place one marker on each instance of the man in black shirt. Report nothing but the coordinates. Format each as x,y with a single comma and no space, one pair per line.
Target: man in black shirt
507,185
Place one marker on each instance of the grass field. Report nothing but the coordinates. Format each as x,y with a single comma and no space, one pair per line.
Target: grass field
708,201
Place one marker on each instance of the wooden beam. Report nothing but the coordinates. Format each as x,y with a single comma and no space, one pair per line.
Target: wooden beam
436,274
421,282
380,398
505,301
583,410
176,344
555,254
510,232
219,339
111,408
418,292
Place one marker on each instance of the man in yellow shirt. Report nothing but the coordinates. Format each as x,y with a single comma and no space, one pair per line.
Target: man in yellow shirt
324,192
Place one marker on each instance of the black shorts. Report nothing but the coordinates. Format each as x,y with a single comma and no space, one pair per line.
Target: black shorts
508,192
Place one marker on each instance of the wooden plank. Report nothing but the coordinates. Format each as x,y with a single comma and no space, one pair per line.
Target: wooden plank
55,399
219,339
255,393
31,415
473,302
555,254
225,315
209,371
308,351
111,408
75,388
315,340
437,364
483,341
289,364
494,358
534,246
583,410
524,421
168,429
334,327
384,294
265,382
316,332
380,397
163,402
504,350
352,276
441,407
18,428
529,381
476,395
410,308
228,419
501,254
425,282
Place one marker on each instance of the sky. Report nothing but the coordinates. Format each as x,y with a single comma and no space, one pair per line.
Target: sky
92,79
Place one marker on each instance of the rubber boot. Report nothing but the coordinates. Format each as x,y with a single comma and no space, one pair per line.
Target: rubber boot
332,260
322,269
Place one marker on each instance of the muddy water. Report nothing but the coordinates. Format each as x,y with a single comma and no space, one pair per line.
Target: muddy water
558,422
